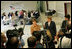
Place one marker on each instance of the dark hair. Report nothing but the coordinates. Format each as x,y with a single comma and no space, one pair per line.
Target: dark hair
31,41
67,16
8,33
16,13
3,14
11,43
37,34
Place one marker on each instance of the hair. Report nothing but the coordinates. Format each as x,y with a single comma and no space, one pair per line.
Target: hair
49,17
31,41
3,14
37,34
67,16
12,43
33,19
16,13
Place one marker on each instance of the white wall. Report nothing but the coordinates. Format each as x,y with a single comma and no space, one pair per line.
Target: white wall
61,8
69,9
58,6
52,5
19,5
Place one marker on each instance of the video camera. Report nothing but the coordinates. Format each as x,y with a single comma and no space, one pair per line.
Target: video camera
15,32
12,33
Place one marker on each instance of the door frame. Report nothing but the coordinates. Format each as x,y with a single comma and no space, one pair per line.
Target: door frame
65,7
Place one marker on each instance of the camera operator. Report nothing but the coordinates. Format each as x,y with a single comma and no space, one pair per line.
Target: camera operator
16,33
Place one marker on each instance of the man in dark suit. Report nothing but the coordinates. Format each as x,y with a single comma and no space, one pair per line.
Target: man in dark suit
51,26
64,24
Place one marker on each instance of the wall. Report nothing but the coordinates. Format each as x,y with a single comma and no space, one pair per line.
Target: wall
19,5
69,9
52,5
58,6
32,5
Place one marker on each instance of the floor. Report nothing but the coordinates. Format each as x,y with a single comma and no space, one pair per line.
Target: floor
42,20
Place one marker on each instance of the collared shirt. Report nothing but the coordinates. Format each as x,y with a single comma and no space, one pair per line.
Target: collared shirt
49,23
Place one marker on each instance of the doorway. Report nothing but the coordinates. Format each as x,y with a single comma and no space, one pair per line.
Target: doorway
67,8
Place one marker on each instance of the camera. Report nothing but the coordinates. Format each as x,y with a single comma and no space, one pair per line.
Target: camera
15,32
12,33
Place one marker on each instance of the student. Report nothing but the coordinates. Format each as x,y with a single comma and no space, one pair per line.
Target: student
3,40
35,26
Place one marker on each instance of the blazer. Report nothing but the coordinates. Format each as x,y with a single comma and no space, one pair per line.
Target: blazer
52,28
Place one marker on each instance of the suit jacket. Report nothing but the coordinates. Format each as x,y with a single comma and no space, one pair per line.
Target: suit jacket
52,28
63,27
